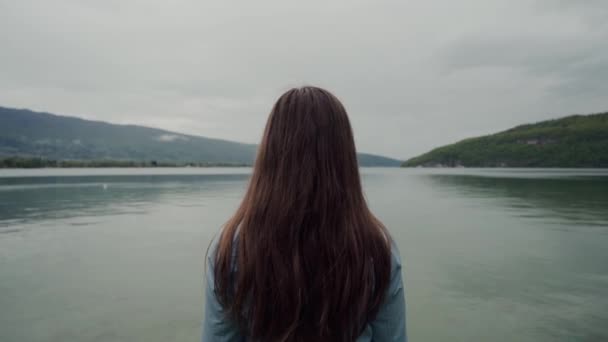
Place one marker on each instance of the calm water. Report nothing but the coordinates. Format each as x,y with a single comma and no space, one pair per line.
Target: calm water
490,255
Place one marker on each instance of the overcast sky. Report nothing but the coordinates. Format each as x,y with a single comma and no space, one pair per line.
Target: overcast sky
413,74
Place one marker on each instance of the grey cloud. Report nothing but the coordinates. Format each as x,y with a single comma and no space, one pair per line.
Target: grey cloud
593,13
587,78
578,66
535,54
413,75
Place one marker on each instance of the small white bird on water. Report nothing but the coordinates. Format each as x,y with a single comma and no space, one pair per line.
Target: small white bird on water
105,186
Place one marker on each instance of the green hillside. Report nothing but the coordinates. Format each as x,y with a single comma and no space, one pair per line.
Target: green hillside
27,134
573,141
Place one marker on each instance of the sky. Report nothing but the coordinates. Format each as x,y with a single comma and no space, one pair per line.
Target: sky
413,74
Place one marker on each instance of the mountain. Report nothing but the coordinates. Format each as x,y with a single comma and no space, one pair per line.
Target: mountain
573,141
25,133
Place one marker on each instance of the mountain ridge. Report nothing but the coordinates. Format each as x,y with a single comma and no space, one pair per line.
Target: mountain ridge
28,133
571,141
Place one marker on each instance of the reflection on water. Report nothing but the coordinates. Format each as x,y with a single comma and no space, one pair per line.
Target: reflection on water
490,255
581,199
27,199
108,258
555,273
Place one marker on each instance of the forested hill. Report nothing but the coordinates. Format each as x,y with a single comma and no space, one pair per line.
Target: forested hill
573,141
27,134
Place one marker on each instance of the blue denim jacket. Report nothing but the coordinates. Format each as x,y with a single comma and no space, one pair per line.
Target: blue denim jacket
389,324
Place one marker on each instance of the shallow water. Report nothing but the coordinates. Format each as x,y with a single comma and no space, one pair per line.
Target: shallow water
490,255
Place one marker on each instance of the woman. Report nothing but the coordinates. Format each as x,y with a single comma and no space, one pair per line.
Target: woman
303,258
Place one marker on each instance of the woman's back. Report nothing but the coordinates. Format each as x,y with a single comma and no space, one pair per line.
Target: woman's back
303,258
388,325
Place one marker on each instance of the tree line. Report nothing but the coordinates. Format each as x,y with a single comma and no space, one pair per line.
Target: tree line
15,162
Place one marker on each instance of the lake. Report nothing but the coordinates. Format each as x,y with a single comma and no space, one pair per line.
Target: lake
117,254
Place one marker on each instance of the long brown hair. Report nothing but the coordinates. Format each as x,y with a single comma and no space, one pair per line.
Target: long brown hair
303,258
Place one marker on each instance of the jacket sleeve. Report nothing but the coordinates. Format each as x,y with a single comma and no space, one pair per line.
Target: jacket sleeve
216,326
390,322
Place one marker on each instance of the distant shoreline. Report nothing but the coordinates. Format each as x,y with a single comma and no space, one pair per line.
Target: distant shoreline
506,167
42,163
21,163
